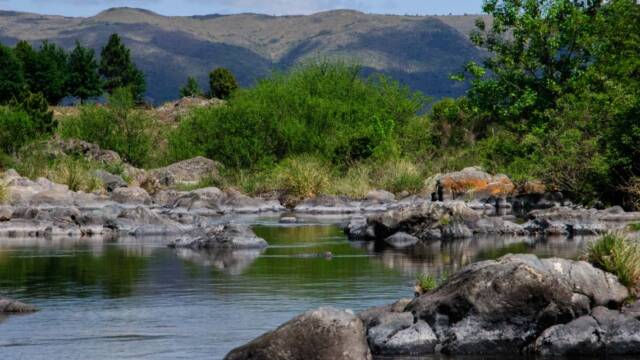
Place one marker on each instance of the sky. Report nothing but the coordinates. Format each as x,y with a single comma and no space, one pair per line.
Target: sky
271,7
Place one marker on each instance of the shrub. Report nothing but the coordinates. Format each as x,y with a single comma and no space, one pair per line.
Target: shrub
619,255
222,83
16,129
302,176
77,174
35,105
191,88
634,227
4,193
398,175
426,283
324,109
119,127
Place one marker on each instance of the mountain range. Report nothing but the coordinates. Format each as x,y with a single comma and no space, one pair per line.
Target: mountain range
420,51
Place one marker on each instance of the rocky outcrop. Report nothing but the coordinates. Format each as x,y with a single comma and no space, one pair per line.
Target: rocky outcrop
131,195
431,221
322,334
506,306
565,220
515,305
227,236
189,171
215,201
110,181
8,306
82,148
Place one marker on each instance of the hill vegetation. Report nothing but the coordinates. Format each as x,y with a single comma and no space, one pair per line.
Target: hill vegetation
558,100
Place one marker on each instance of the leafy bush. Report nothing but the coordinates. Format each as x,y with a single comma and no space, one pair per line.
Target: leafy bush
324,109
191,88
118,127
619,255
16,129
426,283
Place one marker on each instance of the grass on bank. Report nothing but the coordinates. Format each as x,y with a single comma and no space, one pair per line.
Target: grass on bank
4,193
618,254
426,283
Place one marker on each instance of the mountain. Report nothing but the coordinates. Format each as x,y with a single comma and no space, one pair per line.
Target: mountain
420,51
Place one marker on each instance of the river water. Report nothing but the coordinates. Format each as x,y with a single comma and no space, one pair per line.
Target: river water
138,299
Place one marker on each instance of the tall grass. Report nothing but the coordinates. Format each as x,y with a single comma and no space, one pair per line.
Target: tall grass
4,193
618,254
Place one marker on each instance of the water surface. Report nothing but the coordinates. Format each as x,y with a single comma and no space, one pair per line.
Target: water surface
135,298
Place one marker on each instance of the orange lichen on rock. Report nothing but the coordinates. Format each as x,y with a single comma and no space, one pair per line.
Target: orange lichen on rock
476,183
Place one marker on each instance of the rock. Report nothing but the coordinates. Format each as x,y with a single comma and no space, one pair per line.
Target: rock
53,197
499,306
327,205
401,240
380,196
232,262
474,183
189,171
229,236
288,220
8,306
6,213
322,334
85,149
110,181
131,195
397,334
357,228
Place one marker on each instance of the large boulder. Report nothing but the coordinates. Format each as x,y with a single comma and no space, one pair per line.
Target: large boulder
473,182
189,171
322,334
131,195
82,148
8,306
227,236
493,307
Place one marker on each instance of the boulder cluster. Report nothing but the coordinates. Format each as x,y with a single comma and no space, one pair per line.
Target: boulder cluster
519,304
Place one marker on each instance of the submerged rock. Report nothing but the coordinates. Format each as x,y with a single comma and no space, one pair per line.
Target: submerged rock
401,240
228,236
8,306
323,334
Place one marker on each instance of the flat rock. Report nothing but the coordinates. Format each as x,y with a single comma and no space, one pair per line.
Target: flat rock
131,195
8,306
228,236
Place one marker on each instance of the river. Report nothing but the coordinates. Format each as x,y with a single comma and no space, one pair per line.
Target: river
136,298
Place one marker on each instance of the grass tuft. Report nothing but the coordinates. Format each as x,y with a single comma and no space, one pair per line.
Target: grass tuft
426,283
619,255
4,193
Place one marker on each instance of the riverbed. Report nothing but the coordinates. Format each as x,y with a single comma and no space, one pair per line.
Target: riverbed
136,298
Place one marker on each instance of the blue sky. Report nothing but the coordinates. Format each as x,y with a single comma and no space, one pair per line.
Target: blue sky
274,7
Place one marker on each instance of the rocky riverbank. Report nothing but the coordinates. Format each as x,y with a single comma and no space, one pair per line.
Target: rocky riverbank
518,304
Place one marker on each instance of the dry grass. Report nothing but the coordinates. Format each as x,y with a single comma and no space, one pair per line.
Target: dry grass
4,193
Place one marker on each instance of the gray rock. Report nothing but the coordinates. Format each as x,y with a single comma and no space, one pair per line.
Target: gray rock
288,220
229,236
6,213
357,228
396,333
109,180
579,337
322,334
327,205
380,196
8,306
189,171
131,195
401,240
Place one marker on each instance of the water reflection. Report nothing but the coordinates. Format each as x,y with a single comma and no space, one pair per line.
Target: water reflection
232,262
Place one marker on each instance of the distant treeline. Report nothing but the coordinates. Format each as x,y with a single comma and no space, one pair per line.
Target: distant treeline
56,74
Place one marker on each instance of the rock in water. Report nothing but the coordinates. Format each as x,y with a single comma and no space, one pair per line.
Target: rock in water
8,306
401,240
322,334
228,236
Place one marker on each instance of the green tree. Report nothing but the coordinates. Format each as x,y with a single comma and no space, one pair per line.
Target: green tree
16,129
11,75
84,80
222,83
51,73
191,88
118,70
29,59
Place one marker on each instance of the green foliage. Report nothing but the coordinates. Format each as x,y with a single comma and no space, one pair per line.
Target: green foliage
29,59
119,127
16,129
51,73
426,283
35,105
118,70
77,174
4,193
619,255
634,227
222,83
84,80
191,88
323,109
11,75
302,177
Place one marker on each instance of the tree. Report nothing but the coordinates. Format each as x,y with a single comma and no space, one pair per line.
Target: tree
222,83
51,73
36,107
191,88
537,47
11,75
84,80
29,59
118,70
